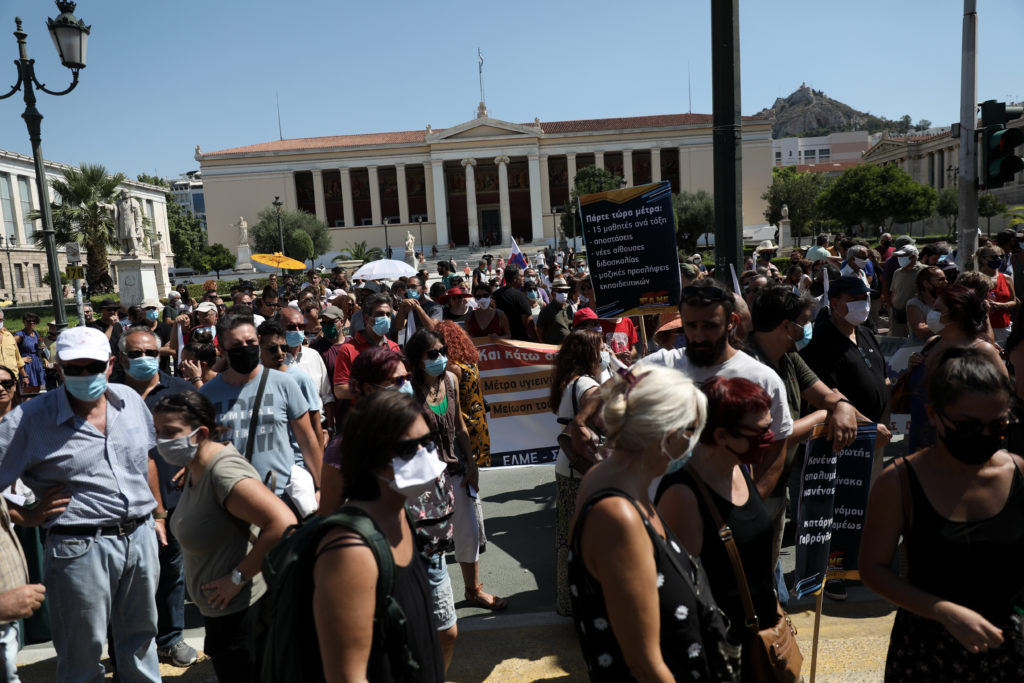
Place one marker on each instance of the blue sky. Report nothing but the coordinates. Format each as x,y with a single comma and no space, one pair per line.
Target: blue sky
163,77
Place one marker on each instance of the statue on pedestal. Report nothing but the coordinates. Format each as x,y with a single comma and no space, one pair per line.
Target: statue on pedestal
243,232
410,249
129,224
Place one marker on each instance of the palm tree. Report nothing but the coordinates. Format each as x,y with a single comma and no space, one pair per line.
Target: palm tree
83,214
360,252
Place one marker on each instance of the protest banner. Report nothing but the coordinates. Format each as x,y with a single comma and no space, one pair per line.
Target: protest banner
515,378
630,238
832,502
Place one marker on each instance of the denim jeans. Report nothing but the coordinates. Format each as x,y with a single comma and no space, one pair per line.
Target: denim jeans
95,580
9,652
170,592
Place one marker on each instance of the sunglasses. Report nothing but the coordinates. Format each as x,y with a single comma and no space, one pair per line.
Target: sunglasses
397,383
407,449
295,326
277,348
977,428
94,368
432,354
8,384
703,295
151,353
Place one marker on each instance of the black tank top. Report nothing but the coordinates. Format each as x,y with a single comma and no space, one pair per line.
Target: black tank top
975,564
752,530
691,623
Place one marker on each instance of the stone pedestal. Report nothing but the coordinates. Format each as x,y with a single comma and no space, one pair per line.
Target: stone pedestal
136,280
785,234
244,262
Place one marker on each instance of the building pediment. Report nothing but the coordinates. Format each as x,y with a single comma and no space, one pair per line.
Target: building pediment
484,127
883,146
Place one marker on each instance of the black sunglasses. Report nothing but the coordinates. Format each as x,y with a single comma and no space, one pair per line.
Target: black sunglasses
8,383
977,428
295,327
397,383
432,354
407,449
152,353
703,295
277,348
94,368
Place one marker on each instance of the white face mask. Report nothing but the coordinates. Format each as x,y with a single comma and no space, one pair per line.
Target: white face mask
560,297
934,321
484,302
857,311
416,475
904,261
678,463
860,263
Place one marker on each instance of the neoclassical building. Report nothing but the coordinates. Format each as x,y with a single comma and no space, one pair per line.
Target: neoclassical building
475,183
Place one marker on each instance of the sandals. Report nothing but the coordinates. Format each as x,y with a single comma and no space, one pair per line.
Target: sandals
475,599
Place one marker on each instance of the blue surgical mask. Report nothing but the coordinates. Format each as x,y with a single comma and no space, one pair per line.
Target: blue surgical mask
152,314
294,338
87,388
413,294
435,367
406,388
674,465
806,339
142,368
381,325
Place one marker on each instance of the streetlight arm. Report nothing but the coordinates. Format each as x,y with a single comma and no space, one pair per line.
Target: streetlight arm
42,86
17,86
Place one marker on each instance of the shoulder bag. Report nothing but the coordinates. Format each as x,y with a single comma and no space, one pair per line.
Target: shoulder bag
579,461
774,655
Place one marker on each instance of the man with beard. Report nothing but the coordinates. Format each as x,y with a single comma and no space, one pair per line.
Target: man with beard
709,315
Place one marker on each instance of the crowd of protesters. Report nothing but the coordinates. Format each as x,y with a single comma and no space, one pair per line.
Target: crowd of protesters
220,423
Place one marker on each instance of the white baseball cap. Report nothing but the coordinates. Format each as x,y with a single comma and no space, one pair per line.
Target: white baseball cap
77,343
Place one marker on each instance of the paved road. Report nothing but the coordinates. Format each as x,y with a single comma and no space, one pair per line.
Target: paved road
528,641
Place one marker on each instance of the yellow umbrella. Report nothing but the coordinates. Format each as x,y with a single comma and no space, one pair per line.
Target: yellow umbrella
278,260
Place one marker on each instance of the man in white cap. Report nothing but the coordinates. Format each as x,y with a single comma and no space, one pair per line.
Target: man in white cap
101,563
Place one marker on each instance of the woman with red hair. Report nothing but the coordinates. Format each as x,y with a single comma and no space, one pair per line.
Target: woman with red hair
736,436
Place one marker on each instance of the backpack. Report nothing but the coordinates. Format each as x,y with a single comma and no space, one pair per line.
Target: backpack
284,630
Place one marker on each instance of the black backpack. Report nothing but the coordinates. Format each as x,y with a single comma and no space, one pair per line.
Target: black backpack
285,636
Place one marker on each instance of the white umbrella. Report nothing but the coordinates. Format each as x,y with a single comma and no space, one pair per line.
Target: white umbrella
384,269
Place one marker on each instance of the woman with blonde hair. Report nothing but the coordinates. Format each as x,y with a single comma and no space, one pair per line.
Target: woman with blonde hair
642,604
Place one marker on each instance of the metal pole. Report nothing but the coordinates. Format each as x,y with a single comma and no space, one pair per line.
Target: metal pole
967,187
727,136
280,231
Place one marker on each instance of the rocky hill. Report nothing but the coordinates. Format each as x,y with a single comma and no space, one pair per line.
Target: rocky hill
809,112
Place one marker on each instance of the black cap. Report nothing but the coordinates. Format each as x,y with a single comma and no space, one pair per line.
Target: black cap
848,284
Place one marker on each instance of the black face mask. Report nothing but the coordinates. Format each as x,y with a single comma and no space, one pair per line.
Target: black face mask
244,359
966,443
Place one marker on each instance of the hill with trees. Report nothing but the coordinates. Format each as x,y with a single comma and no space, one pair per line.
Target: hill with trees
808,112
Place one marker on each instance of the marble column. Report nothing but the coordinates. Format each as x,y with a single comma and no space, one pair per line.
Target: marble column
536,208
599,159
375,217
318,195
506,214
655,165
346,197
471,218
403,195
570,165
545,185
428,188
627,167
440,203
685,182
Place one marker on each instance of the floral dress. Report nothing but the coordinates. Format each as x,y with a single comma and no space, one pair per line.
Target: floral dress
474,413
28,347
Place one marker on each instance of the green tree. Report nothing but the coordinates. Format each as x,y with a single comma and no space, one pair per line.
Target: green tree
903,125
84,216
360,252
188,239
1015,214
218,258
588,180
695,215
151,179
948,206
876,196
265,240
299,246
799,192
923,124
988,206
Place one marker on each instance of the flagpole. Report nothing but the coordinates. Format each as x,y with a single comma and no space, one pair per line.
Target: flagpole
480,64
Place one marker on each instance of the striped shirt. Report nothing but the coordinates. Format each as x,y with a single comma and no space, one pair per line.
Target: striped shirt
45,443
13,568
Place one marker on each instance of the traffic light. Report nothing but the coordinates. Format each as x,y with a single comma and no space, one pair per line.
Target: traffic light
999,160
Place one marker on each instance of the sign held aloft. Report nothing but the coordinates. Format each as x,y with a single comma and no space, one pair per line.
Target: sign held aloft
630,237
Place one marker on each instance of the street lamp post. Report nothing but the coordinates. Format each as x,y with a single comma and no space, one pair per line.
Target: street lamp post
9,242
70,36
280,233
387,247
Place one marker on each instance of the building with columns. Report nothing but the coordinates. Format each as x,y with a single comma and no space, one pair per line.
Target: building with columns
476,183
23,264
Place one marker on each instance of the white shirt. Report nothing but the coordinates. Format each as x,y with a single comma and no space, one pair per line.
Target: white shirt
565,411
310,362
740,365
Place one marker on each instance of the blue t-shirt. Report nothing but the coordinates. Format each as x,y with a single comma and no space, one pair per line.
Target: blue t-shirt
276,448
307,386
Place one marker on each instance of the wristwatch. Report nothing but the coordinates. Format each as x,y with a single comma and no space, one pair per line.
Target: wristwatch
236,577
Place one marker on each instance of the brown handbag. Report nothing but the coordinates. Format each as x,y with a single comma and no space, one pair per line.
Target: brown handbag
774,655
